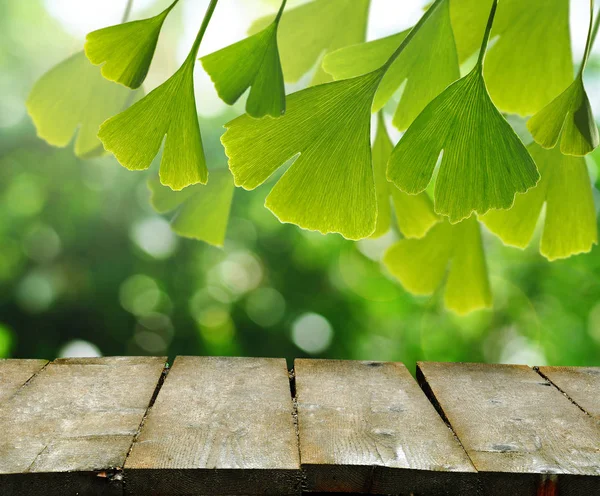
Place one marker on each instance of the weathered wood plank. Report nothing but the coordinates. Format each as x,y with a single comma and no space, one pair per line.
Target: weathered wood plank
581,384
219,426
69,430
366,427
14,373
522,434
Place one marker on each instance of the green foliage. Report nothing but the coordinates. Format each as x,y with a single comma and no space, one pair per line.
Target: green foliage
570,224
202,212
456,250
253,62
484,162
125,51
315,28
329,187
414,213
570,113
427,65
530,61
74,96
136,135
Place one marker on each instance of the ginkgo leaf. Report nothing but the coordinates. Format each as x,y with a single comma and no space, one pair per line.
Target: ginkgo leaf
136,135
484,163
414,213
202,210
125,51
570,225
74,96
570,113
329,187
530,61
253,62
316,28
456,250
428,65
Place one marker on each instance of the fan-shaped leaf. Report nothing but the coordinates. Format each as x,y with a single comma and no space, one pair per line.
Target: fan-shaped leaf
570,225
570,112
317,27
421,265
428,65
414,213
202,210
253,62
136,135
484,163
125,51
329,188
74,95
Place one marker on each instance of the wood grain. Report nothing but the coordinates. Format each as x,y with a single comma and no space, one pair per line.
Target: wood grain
581,384
522,434
14,373
366,427
219,426
69,430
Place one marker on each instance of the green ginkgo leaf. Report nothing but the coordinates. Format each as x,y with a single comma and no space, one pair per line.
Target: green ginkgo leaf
569,115
456,250
484,163
414,213
202,211
125,51
570,225
74,96
136,135
330,186
313,29
253,62
530,60
427,65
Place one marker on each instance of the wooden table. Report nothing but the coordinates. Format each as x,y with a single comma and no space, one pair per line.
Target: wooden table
247,426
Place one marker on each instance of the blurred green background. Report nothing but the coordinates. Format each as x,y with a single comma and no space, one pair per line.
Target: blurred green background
87,267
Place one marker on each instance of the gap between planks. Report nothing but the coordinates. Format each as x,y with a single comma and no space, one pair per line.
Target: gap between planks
537,369
157,389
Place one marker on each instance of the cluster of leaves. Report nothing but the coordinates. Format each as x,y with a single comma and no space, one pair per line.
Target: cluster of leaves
458,162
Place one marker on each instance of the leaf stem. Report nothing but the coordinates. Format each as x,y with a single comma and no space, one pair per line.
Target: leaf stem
411,35
486,35
127,12
196,46
280,13
591,37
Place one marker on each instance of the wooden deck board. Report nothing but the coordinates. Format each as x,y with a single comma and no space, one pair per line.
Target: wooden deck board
367,427
581,384
219,426
71,427
14,373
521,433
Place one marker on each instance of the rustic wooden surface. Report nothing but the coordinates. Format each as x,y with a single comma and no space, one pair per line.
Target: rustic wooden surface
219,426
15,373
240,426
368,427
69,429
522,434
580,384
